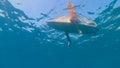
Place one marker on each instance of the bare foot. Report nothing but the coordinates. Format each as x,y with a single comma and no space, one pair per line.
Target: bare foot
79,31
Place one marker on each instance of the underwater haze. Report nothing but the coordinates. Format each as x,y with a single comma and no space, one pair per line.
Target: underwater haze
26,41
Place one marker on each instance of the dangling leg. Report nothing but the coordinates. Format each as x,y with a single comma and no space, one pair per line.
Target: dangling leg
76,25
68,38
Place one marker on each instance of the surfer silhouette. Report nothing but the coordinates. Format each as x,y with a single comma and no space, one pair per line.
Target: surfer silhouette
74,20
74,23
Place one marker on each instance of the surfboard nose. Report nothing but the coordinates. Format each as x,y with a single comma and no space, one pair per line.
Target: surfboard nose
47,21
93,24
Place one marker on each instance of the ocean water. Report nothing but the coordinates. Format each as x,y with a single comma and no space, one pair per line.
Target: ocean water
26,41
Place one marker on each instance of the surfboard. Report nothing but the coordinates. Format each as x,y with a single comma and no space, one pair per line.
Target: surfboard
67,26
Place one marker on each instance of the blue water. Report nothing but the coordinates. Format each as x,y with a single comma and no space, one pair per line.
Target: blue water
24,44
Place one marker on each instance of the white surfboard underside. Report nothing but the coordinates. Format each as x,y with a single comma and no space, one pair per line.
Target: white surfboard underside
64,24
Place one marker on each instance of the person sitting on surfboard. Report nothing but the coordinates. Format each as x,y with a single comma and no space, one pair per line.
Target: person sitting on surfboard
74,19
72,12
73,16
74,23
